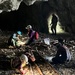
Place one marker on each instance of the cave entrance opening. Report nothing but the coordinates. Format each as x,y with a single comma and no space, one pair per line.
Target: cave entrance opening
59,28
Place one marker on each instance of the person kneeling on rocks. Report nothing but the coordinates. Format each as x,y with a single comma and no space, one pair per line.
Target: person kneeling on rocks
32,35
24,62
22,66
15,41
61,56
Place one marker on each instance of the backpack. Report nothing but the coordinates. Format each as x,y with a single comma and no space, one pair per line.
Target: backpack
68,53
36,35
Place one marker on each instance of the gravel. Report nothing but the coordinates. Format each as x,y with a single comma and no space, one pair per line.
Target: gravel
68,68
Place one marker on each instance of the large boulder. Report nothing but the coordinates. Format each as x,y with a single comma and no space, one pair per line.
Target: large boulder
8,5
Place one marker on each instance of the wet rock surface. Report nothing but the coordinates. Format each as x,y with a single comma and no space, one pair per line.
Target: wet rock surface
67,68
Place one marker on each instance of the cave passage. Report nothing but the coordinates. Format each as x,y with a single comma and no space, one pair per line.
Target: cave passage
59,28
38,15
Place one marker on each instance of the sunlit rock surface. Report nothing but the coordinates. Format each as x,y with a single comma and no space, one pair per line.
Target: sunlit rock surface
8,5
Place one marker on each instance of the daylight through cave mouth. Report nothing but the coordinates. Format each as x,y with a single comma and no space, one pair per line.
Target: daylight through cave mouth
59,27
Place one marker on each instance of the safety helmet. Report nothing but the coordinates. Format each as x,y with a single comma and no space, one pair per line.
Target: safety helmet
19,32
24,57
29,27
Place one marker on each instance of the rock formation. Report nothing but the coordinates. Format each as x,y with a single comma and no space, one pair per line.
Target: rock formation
41,10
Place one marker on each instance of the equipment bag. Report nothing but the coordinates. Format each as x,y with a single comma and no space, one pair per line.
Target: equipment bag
36,35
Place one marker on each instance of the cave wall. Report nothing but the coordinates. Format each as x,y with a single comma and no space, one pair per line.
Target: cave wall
37,15
19,19
66,12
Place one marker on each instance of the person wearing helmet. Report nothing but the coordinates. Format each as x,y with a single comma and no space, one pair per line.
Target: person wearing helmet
22,68
19,33
31,35
24,58
14,40
24,62
29,27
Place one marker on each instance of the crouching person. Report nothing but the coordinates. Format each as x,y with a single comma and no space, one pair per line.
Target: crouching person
21,64
24,62
15,41
32,35
61,56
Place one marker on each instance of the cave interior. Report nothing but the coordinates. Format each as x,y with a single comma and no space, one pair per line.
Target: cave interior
38,15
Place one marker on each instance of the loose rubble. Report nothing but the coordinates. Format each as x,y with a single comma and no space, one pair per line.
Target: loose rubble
44,50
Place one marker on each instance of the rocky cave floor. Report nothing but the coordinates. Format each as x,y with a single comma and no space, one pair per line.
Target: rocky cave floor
68,68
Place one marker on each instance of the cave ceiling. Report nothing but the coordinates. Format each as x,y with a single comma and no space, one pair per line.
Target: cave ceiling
11,5
65,9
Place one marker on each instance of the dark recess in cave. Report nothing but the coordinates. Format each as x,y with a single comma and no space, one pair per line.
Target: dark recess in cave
36,15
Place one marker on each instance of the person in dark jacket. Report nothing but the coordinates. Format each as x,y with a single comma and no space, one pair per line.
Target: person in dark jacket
61,55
